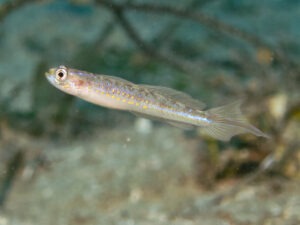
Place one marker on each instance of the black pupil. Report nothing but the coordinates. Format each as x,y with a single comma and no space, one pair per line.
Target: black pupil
61,74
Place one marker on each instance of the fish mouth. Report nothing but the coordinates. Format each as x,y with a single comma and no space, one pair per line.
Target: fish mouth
50,75
50,72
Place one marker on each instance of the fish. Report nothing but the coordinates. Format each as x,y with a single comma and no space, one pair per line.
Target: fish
153,102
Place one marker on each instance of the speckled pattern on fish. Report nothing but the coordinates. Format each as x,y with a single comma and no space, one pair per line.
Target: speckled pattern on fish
153,102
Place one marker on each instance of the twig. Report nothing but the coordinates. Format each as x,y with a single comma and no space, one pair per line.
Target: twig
244,182
170,29
188,14
206,20
107,30
176,62
13,166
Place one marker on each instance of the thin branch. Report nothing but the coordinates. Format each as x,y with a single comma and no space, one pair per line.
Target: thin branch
171,28
107,30
176,62
12,168
199,17
206,20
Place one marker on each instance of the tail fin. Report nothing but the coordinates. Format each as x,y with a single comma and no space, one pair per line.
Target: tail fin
229,121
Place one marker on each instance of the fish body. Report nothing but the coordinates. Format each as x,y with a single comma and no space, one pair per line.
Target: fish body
154,102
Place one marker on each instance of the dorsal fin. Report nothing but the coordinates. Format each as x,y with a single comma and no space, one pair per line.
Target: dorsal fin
177,96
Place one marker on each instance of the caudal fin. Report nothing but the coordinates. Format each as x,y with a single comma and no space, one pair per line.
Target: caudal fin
229,121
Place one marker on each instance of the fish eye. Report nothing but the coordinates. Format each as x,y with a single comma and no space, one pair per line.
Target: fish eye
61,74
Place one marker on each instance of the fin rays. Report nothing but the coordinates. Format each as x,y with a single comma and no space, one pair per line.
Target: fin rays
176,95
228,121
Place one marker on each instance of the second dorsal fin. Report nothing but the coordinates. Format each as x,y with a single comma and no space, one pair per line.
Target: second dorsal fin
177,96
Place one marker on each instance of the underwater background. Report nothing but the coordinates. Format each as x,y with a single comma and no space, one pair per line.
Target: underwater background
66,161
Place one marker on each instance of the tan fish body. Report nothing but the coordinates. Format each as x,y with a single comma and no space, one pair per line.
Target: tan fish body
154,102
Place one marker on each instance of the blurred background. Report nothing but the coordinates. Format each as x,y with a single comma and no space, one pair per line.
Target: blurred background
66,161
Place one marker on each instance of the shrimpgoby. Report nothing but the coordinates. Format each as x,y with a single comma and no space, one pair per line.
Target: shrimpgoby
154,102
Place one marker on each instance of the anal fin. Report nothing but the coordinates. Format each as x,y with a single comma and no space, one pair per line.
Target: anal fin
181,125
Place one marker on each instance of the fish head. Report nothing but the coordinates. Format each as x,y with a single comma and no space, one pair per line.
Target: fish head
68,80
